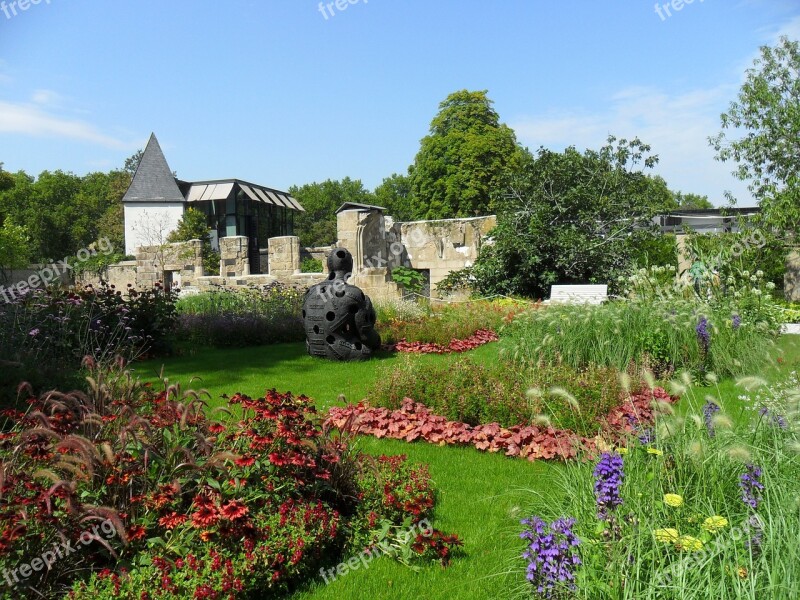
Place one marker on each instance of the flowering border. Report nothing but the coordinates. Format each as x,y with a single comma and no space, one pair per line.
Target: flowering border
479,338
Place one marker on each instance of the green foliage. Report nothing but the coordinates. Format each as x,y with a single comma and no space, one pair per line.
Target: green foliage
657,329
692,201
311,265
572,218
64,213
411,280
457,388
249,317
194,226
394,194
753,250
466,391
660,250
464,161
767,113
317,226
14,249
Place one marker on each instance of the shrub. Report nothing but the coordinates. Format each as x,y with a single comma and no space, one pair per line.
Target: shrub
311,265
247,507
45,334
468,392
248,317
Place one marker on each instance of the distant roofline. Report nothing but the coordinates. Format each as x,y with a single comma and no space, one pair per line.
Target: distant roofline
231,180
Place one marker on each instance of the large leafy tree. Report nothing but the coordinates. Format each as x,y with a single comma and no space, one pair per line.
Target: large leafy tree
14,249
691,201
317,226
761,133
394,194
193,226
573,217
465,160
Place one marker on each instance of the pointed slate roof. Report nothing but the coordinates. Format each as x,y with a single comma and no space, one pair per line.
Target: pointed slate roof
153,180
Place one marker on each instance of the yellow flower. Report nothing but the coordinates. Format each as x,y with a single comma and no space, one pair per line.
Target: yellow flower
673,500
689,543
714,524
741,572
622,451
666,535
655,451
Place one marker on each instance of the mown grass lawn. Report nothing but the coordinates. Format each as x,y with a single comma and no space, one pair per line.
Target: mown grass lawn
481,496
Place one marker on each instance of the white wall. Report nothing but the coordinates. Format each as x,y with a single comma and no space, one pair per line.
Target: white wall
149,223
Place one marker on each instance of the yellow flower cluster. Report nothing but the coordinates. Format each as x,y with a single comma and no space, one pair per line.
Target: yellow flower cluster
673,500
714,524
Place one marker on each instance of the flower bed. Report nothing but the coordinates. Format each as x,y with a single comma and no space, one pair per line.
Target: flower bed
414,421
479,338
703,508
190,506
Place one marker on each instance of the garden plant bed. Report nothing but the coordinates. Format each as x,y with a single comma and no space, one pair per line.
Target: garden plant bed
414,421
479,338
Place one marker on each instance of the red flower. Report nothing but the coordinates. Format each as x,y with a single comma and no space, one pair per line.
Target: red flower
206,516
136,532
216,428
172,520
234,510
245,461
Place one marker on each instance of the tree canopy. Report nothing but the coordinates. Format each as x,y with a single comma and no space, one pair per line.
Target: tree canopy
317,226
465,160
572,217
767,114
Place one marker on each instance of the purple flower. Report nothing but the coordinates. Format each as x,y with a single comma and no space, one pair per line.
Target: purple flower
736,321
751,486
703,334
754,542
708,413
551,554
608,475
646,436
774,420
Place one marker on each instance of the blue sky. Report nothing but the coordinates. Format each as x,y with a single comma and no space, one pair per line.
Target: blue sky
274,92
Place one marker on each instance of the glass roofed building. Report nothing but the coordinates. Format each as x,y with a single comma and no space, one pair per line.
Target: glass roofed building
156,200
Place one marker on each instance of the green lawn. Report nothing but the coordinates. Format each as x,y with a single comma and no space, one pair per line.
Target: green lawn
481,496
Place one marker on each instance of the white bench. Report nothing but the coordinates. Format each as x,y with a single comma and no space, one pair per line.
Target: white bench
578,294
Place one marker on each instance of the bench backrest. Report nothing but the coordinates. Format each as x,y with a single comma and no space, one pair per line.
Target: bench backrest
579,294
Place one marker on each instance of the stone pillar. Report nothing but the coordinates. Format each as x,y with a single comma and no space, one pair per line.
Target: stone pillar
791,279
284,255
234,256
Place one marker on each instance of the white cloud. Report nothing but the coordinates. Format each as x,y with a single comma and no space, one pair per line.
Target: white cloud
46,97
27,119
676,126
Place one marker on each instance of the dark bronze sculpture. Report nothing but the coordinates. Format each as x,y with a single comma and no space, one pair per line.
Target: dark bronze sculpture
339,318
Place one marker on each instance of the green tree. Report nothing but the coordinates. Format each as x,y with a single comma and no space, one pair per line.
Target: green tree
572,218
394,193
317,226
691,201
767,113
464,161
14,249
193,226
